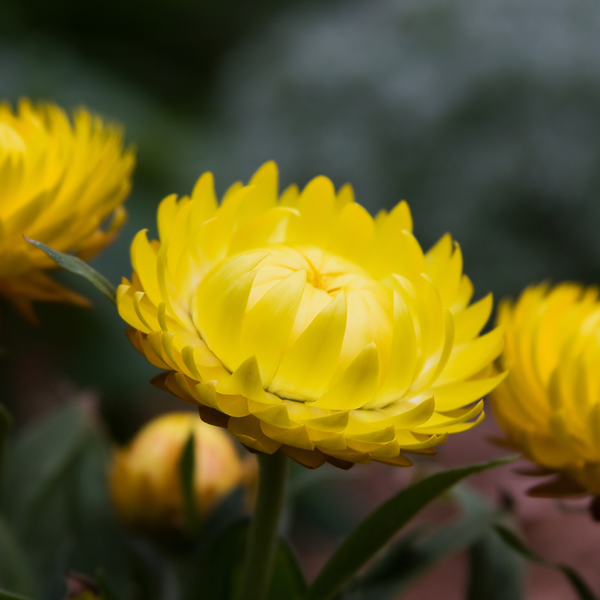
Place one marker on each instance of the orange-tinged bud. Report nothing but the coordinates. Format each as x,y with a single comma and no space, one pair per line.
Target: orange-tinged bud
144,476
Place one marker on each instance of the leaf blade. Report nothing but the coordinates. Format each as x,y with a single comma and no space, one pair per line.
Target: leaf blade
381,526
79,267
187,474
14,569
576,581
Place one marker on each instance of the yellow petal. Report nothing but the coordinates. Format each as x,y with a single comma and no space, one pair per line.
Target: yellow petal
279,305
306,372
356,386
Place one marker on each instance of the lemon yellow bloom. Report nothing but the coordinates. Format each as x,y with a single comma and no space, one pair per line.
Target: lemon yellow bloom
301,323
144,476
549,405
59,183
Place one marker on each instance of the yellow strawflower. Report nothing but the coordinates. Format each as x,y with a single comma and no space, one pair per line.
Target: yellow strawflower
549,405
60,182
145,480
301,323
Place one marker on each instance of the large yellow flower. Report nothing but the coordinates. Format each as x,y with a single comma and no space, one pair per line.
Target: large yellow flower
59,184
300,322
549,405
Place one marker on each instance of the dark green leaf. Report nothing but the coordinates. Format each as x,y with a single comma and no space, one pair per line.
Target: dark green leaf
407,561
5,427
39,459
417,552
14,570
106,592
40,494
217,568
382,525
576,581
79,267
96,539
6,595
288,580
496,573
187,473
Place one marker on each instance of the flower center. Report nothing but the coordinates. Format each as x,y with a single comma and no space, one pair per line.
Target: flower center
284,293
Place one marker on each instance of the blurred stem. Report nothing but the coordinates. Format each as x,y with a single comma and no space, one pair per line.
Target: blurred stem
262,536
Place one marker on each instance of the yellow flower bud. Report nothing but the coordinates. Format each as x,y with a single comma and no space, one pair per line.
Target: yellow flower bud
144,476
301,323
60,182
549,405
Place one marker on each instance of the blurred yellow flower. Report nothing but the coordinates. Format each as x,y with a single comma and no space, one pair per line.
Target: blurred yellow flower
144,476
300,322
549,405
59,184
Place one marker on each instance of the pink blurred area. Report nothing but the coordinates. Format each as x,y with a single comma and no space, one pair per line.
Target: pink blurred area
558,531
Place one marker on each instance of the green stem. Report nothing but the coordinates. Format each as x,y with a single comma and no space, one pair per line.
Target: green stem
262,537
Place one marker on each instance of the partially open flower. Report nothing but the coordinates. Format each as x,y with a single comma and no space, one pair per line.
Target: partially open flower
59,183
145,478
549,405
300,322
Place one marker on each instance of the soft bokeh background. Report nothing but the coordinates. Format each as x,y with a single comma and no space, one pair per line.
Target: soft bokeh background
483,114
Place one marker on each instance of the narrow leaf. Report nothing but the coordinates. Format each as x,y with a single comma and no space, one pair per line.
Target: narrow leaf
187,471
576,581
217,569
79,267
496,572
407,562
39,459
288,580
6,595
14,570
382,525
5,427
106,593
419,551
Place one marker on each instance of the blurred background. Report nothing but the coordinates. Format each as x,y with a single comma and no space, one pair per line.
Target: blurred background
483,114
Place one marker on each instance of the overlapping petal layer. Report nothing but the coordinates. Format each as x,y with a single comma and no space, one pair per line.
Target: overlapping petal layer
301,323
549,405
62,184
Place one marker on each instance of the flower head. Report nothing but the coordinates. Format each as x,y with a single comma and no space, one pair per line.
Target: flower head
145,478
300,322
60,181
549,405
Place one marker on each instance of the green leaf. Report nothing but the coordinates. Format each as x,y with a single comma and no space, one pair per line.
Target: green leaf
216,569
5,427
418,552
187,473
6,595
288,580
76,265
382,525
106,592
37,491
496,573
513,541
96,538
409,559
39,457
14,570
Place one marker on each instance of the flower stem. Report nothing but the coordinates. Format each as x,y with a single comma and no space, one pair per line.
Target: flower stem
262,537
